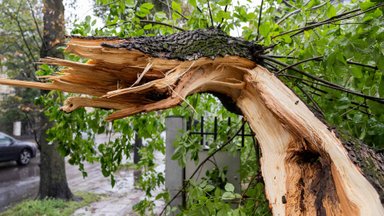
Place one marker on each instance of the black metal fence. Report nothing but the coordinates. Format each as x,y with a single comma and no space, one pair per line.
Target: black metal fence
192,127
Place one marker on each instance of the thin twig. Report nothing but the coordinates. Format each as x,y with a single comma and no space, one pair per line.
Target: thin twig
298,11
338,18
287,3
280,56
199,166
258,24
23,36
315,104
327,83
169,8
222,19
318,58
35,21
304,81
161,23
333,19
210,13
299,62
362,65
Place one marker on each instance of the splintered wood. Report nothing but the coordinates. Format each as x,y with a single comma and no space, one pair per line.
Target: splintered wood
306,168
120,79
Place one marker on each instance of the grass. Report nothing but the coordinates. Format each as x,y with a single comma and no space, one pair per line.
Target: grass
51,207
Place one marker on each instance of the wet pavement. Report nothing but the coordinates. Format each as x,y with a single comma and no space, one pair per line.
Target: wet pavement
117,201
18,183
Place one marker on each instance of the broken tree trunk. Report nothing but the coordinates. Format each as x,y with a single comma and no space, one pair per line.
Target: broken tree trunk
306,168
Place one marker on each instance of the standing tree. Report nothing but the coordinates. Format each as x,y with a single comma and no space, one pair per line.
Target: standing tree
308,167
30,31
53,179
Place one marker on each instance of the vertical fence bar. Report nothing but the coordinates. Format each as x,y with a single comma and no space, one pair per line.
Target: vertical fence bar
242,133
202,131
229,125
215,130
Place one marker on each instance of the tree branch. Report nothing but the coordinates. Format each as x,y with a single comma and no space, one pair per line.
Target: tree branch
299,62
318,58
258,23
222,19
210,13
35,21
182,15
161,23
298,11
327,83
333,19
315,104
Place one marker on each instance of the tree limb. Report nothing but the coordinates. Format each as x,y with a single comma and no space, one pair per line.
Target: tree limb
333,19
258,23
327,83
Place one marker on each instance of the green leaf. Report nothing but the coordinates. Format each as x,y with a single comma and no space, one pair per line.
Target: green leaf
147,27
192,2
229,187
176,6
146,6
331,12
209,188
224,2
228,196
357,72
265,28
365,5
377,13
130,3
223,15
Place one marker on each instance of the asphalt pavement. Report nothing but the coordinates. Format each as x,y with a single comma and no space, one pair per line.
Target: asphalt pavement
18,182
21,182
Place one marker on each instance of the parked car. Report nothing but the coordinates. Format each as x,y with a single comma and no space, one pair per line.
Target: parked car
12,149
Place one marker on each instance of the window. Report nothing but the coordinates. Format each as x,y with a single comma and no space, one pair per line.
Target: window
4,140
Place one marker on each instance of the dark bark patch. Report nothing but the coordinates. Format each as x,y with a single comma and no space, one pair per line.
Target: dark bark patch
191,45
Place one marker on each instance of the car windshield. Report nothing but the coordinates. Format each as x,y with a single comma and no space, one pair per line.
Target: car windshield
5,140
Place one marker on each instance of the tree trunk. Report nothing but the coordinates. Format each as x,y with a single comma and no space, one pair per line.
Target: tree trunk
53,180
307,168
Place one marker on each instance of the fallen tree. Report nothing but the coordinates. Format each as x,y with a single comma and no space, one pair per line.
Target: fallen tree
307,167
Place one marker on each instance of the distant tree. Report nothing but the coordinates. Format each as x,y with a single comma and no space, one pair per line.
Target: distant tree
19,47
53,179
30,31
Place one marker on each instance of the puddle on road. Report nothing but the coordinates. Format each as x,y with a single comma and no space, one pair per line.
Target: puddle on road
10,171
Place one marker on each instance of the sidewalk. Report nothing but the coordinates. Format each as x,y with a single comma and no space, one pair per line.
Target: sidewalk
116,201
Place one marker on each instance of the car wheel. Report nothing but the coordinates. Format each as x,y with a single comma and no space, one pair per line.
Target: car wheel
24,157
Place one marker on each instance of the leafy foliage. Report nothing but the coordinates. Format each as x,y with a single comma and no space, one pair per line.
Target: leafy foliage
19,49
345,52
332,46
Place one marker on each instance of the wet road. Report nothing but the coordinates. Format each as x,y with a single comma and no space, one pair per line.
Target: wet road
18,182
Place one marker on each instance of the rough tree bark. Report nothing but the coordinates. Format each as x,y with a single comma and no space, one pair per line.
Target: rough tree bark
53,179
307,168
